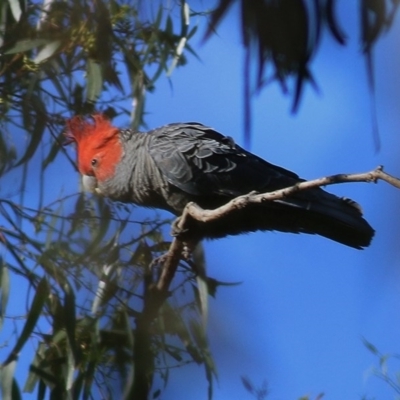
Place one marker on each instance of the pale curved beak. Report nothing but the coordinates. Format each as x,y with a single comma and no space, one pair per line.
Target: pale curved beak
90,183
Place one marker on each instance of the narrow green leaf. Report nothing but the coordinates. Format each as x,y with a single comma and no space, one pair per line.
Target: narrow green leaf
370,346
333,24
99,231
248,384
94,80
16,393
131,60
51,227
159,16
56,81
33,378
161,66
201,278
192,32
216,17
7,377
88,380
54,150
31,382
169,27
70,368
105,289
47,51
52,269
70,319
41,390
37,133
42,293
15,9
383,364
210,373
46,376
190,50
4,290
24,45
7,154
174,324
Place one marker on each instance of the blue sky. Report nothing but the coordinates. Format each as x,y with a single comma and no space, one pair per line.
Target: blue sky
298,318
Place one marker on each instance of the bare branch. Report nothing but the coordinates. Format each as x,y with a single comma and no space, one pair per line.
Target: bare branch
195,212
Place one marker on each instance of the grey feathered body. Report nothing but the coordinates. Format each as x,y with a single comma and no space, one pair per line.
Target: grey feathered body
178,163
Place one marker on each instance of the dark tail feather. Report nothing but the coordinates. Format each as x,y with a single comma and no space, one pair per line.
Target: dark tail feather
318,213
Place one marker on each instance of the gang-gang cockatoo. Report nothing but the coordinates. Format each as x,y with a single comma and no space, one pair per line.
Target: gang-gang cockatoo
179,163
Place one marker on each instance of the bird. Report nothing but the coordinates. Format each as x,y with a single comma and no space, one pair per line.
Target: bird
170,166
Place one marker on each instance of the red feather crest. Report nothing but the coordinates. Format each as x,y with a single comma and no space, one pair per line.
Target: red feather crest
79,128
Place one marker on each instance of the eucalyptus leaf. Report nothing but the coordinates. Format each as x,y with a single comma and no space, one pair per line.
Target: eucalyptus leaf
27,44
4,290
7,380
36,133
42,292
47,51
15,7
94,80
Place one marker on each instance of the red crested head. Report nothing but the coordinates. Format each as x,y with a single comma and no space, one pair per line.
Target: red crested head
99,149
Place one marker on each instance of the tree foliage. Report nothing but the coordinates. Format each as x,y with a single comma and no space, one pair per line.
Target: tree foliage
85,260
283,37
88,265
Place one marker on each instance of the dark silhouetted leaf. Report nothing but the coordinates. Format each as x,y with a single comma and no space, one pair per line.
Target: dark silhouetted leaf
247,384
42,292
70,322
37,132
333,24
370,346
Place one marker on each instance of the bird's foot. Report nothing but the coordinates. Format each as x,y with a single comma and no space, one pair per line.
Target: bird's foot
176,230
158,261
186,255
187,251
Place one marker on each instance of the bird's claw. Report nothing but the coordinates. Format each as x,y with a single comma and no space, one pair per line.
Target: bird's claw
187,252
176,230
158,261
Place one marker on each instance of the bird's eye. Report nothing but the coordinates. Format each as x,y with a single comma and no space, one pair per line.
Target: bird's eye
94,162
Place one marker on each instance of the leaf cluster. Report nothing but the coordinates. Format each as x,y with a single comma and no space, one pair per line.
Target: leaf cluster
60,58
283,37
84,270
85,277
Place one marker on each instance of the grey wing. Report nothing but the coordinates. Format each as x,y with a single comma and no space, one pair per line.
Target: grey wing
206,165
201,161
